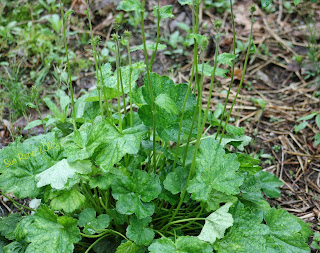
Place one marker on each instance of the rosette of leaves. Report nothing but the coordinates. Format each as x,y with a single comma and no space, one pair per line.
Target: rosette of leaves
169,100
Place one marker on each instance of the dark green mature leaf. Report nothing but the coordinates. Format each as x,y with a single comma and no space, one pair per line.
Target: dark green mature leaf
269,183
184,2
216,198
247,235
215,170
216,224
176,181
135,192
183,244
15,247
251,189
130,5
105,138
165,12
138,231
23,161
169,102
8,225
46,232
285,232
87,219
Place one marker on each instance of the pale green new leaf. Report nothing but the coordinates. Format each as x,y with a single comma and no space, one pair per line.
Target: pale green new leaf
301,126
216,224
57,176
215,170
46,232
149,46
138,231
165,12
33,124
184,2
226,58
208,70
128,247
130,5
133,193
183,244
68,201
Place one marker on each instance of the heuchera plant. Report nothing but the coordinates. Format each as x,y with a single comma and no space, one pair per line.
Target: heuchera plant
149,178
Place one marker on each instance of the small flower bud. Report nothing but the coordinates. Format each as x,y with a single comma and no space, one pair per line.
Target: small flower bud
252,8
127,34
217,23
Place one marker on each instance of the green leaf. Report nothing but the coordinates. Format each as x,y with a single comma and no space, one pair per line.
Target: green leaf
8,225
184,2
130,5
176,181
215,170
183,244
15,247
135,192
33,124
207,70
68,201
167,115
165,12
301,126
138,231
285,233
251,189
247,233
99,223
216,224
46,232
53,108
226,58
307,117
57,176
318,120
128,247
86,216
216,198
21,162
110,86
167,104
265,3
316,239
64,102
269,183
149,46
67,14
296,2
104,138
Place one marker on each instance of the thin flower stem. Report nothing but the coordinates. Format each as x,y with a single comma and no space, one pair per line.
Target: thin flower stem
15,202
242,78
95,60
232,73
130,91
158,38
118,83
69,69
150,86
121,81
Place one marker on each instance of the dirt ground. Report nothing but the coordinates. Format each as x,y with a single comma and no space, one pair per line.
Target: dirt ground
273,75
